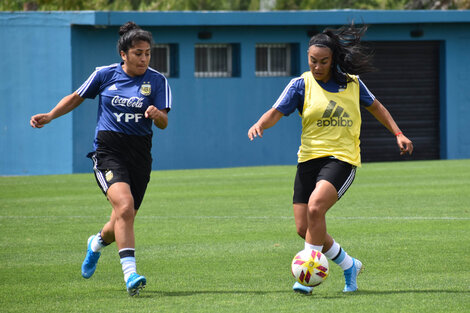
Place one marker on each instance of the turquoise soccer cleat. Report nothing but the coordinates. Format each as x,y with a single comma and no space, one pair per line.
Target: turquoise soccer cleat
135,282
91,258
350,276
298,287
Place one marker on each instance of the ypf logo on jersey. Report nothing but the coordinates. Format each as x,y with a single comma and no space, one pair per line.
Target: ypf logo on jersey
146,89
335,115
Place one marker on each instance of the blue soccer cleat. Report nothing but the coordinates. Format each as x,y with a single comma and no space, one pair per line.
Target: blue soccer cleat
350,276
298,287
91,258
135,282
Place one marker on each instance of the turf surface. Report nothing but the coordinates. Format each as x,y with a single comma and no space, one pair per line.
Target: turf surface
222,241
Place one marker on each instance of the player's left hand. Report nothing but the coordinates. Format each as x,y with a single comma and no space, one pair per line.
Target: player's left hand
404,144
159,117
152,112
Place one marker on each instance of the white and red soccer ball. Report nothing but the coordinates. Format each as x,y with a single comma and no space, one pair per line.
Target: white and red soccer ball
310,267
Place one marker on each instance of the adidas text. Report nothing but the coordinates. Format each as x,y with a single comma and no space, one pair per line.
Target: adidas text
341,122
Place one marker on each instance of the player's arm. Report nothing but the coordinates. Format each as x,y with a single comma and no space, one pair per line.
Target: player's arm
159,117
383,116
267,120
67,104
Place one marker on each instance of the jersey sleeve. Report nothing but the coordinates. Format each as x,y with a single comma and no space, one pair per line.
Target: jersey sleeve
292,97
162,98
366,97
91,87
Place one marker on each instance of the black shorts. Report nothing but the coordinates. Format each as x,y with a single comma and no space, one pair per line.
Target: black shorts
123,158
109,169
340,174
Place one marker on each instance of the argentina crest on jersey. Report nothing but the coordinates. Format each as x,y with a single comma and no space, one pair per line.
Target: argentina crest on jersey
146,89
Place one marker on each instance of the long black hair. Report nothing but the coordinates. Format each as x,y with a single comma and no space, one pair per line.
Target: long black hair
129,34
349,56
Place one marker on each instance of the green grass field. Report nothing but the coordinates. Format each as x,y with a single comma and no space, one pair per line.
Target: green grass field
222,241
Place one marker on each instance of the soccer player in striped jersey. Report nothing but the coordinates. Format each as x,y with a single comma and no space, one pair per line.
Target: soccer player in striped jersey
132,97
328,98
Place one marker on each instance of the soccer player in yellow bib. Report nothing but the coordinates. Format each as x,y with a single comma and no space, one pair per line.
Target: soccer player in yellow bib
328,98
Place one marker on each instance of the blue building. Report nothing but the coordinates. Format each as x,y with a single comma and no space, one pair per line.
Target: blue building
225,69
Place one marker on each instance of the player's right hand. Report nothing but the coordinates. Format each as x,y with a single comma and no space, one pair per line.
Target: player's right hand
39,120
255,131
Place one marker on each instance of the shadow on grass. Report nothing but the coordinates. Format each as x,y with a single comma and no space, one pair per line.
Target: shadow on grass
203,292
159,293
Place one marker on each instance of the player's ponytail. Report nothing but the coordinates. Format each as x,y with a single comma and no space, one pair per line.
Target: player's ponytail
129,34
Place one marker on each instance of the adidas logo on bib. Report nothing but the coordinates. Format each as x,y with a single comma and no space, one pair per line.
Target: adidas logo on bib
335,115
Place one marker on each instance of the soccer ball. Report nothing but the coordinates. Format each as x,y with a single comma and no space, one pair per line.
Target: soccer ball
310,267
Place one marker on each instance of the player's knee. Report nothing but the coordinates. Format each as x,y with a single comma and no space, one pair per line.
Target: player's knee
124,209
316,209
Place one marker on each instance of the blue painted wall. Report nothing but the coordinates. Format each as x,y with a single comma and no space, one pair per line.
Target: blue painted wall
35,67
53,53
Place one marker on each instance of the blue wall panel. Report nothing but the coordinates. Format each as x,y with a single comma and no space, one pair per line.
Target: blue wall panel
35,67
458,107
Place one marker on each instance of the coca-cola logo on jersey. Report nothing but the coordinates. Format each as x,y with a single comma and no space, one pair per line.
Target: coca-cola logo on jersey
133,102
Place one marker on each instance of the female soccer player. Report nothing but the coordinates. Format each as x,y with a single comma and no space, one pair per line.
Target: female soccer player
132,97
328,98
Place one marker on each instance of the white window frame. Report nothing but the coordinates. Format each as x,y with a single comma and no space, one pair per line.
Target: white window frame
269,72
168,63
210,71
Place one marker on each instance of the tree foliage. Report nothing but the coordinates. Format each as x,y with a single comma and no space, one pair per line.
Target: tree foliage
129,5
228,5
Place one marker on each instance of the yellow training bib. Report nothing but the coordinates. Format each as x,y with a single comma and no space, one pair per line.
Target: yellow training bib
331,122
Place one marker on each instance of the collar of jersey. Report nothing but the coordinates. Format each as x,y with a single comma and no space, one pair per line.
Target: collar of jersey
331,85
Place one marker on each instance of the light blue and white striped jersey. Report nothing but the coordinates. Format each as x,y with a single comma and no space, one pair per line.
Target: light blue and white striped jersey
124,99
